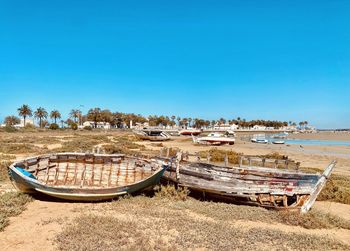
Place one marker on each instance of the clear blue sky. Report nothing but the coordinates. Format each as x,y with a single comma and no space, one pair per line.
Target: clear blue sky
284,60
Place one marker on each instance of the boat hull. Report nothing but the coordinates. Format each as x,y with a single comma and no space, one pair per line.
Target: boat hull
264,187
26,184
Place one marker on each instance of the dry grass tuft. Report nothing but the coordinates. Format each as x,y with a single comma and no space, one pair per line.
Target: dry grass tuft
337,189
11,204
157,144
313,220
172,193
3,170
20,148
219,155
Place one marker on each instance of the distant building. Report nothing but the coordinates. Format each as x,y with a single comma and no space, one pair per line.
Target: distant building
29,121
259,128
224,127
21,124
99,125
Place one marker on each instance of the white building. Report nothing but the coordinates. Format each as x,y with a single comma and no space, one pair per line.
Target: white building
224,127
99,125
259,128
29,121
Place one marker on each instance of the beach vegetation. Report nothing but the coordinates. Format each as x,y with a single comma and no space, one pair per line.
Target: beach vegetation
53,126
88,128
160,223
337,189
74,126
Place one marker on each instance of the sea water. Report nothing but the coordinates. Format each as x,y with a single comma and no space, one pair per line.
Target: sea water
314,142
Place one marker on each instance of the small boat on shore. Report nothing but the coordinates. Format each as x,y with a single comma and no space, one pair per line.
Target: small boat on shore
260,141
280,135
85,177
190,131
152,135
214,139
259,138
278,142
251,185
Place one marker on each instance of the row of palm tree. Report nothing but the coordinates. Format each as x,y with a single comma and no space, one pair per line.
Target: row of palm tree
119,119
40,113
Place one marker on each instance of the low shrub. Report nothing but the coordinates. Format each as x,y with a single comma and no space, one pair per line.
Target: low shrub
10,129
74,126
172,193
219,155
88,128
54,126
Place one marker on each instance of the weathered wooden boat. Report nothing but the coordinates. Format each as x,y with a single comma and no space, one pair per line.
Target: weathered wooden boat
85,177
260,186
214,139
152,135
190,131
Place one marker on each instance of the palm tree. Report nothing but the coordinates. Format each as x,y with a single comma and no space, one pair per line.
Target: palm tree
95,115
173,120
12,120
40,114
55,115
178,121
189,121
24,111
75,114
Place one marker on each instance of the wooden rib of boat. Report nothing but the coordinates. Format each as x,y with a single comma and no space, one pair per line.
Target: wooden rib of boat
85,177
152,135
259,186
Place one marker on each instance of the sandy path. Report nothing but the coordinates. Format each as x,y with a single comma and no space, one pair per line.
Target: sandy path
37,226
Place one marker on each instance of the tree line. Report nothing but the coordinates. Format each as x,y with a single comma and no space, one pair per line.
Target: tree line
120,120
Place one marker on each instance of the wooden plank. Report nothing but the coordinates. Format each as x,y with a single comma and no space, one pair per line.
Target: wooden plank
109,175
318,188
47,175
75,173
66,174
82,178
56,176
102,169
